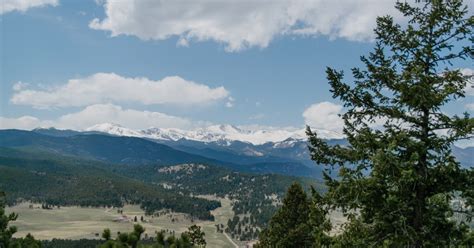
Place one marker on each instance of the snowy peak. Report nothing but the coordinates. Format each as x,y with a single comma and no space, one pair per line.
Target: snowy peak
222,134
223,129
114,129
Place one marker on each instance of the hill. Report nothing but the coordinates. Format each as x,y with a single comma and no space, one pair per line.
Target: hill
27,173
60,181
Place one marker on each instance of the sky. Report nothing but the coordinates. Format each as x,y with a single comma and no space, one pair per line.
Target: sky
183,64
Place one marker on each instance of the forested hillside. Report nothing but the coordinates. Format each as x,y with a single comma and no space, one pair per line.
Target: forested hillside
59,181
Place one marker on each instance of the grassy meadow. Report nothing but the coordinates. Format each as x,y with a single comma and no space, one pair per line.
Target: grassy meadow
80,222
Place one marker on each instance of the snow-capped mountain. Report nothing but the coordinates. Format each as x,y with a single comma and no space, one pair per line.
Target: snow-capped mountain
223,134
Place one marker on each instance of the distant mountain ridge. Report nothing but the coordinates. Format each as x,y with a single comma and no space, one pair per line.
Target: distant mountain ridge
140,151
287,157
230,143
223,134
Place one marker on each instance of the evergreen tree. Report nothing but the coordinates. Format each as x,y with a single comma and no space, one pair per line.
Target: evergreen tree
160,237
6,231
185,241
135,236
318,220
289,226
106,234
396,182
27,242
196,236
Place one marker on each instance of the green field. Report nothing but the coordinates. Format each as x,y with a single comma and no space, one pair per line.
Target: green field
80,222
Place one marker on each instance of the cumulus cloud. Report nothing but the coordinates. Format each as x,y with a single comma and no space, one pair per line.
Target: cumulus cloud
324,115
135,119
242,24
23,5
101,113
112,88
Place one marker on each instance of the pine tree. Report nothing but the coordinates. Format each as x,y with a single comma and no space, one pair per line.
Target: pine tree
106,234
27,242
160,237
396,182
6,230
136,235
289,226
318,220
196,236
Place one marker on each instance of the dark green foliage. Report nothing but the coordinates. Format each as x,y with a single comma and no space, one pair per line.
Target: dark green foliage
66,243
58,180
298,223
160,238
196,236
250,192
318,220
27,242
133,240
106,234
112,149
396,183
124,239
6,230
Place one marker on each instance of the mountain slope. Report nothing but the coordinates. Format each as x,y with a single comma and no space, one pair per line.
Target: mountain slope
29,174
107,148
138,151
58,180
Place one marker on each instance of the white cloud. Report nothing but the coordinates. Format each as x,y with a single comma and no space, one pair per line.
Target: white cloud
470,106
324,115
23,5
242,24
469,89
112,88
230,102
24,122
102,113
20,86
470,84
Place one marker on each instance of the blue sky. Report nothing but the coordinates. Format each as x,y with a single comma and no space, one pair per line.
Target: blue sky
264,74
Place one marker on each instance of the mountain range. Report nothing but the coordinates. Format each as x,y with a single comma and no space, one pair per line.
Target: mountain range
223,134
139,151
246,145
282,152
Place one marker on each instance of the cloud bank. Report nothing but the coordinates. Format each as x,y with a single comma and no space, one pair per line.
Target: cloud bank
242,24
101,113
23,5
112,88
